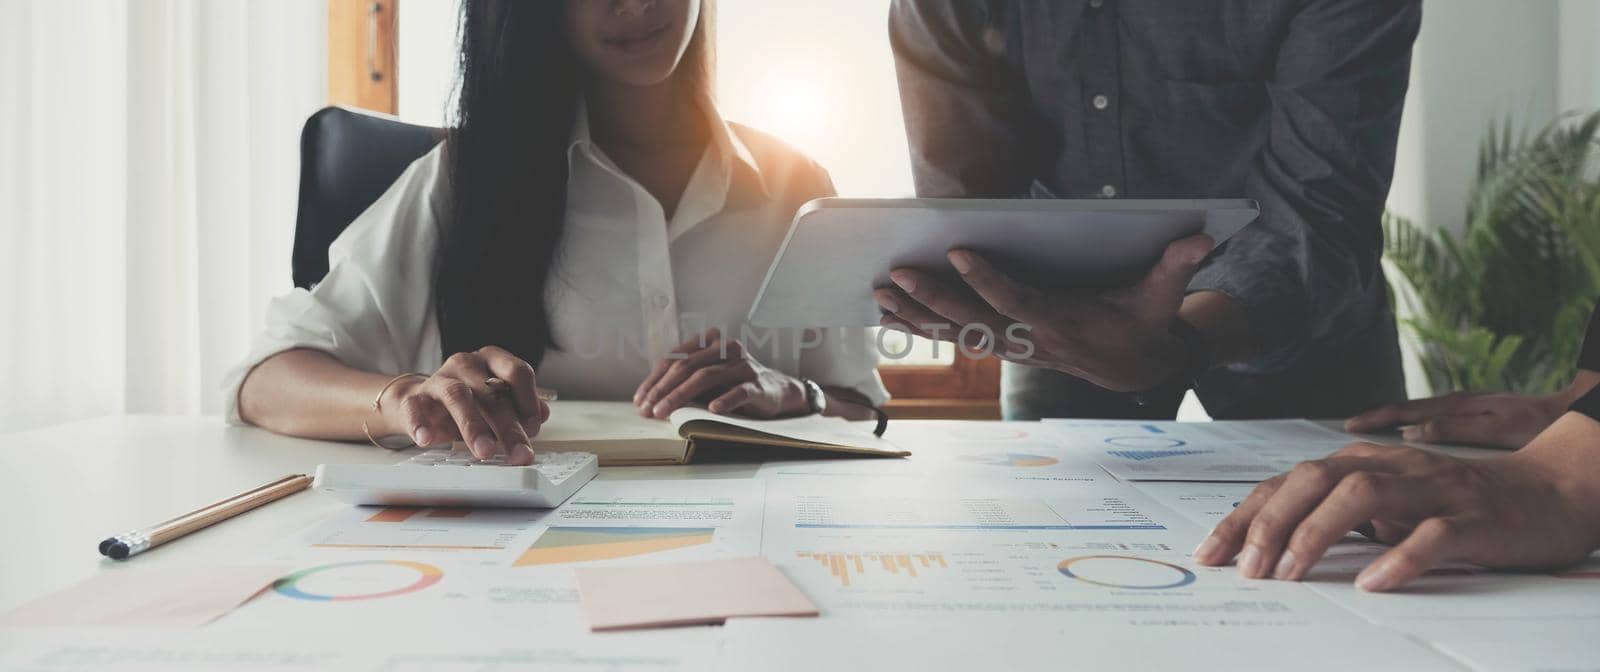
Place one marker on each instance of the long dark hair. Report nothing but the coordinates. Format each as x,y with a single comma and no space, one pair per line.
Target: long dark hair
519,86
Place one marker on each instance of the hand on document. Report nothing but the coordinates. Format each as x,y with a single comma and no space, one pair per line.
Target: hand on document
1537,507
1474,418
721,372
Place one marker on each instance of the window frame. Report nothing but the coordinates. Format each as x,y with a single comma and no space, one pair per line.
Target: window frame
363,54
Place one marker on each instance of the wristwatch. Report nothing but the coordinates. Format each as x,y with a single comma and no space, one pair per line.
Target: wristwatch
816,399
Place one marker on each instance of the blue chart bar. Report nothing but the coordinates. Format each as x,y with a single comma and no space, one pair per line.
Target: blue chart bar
1143,455
975,513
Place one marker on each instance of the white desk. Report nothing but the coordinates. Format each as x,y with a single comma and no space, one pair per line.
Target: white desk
64,488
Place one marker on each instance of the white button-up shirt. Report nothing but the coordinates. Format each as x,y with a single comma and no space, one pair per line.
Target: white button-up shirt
627,285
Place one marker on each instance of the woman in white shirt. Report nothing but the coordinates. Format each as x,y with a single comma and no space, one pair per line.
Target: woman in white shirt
590,215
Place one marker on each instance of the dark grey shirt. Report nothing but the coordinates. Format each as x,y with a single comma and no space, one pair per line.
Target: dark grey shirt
1293,103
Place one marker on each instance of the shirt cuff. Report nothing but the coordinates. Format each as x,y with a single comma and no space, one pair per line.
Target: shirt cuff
1589,357
286,316
1588,404
1277,319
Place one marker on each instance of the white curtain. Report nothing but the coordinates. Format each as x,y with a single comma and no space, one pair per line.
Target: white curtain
148,168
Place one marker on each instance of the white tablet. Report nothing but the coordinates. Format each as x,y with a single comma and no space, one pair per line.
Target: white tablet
839,249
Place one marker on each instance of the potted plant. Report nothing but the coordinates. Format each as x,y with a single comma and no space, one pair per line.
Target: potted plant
1503,303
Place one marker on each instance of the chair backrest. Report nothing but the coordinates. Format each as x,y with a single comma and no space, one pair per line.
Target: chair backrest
348,158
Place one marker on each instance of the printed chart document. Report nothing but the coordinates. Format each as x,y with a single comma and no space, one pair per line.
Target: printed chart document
403,592
1452,598
1023,451
356,649
183,597
606,520
1235,431
1204,504
1249,452
659,521
441,567
809,645
491,536
864,547
1556,645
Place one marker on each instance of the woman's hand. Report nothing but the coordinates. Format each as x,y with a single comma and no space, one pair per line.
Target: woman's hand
1475,418
457,403
709,367
1528,509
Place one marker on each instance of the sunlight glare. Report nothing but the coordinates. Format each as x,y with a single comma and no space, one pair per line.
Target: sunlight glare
798,109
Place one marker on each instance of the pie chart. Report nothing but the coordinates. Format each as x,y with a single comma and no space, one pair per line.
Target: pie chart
360,580
1146,442
988,433
1126,572
1011,459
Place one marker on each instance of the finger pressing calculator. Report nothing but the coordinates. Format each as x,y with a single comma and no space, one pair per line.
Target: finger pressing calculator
443,477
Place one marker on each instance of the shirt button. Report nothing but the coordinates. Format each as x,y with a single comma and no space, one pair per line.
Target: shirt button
661,301
1108,191
1101,102
1096,3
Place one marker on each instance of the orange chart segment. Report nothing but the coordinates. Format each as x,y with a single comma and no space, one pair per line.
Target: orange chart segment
582,544
1011,459
393,514
841,565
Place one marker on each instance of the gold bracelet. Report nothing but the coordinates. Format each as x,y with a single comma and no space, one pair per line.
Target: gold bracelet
377,407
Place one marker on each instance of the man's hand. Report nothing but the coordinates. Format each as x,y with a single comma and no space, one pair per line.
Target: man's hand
1120,339
1496,420
1522,510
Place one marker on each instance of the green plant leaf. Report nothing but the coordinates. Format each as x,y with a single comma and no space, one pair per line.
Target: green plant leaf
1502,304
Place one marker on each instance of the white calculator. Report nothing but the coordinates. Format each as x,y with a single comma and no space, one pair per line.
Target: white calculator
443,477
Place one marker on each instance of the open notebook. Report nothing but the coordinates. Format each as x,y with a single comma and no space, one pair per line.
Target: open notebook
615,432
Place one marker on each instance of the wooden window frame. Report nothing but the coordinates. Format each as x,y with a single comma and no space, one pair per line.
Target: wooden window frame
363,60
968,388
363,55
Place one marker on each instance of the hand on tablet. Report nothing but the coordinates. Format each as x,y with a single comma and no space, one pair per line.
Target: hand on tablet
1118,339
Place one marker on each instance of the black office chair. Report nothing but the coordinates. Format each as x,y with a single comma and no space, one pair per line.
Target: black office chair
348,158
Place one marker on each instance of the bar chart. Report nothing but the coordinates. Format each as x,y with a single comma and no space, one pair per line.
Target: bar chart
908,565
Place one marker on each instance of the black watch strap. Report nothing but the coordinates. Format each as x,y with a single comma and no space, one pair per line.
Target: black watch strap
1588,404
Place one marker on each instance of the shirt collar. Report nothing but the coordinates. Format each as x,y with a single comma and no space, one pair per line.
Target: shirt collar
725,141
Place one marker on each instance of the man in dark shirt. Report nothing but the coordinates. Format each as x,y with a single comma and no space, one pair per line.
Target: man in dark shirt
1295,104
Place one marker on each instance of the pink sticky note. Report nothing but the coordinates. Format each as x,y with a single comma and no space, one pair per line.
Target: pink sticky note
155,597
617,598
